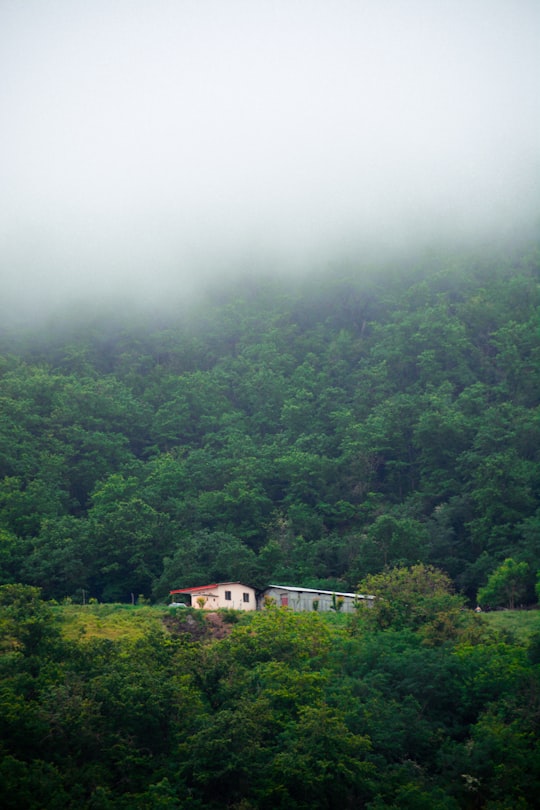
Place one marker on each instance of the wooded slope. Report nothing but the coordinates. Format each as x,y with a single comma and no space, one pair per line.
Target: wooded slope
401,706
311,433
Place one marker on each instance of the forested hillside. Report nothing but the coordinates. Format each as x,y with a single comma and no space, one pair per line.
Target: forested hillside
311,433
415,704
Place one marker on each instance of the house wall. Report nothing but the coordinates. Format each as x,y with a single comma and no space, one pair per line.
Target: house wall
216,597
211,600
237,591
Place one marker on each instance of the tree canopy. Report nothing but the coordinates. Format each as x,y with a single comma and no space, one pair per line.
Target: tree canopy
314,433
285,710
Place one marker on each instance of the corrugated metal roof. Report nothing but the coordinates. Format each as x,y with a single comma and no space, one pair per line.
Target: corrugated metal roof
314,590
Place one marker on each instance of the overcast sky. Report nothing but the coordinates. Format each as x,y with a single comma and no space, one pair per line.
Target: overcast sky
145,143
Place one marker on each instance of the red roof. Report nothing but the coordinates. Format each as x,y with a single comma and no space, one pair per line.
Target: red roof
204,587
198,588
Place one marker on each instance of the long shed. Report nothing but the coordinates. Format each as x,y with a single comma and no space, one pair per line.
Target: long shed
305,599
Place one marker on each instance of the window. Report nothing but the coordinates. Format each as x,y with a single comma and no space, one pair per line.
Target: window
245,597
228,596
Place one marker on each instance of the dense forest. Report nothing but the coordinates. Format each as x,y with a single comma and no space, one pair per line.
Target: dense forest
377,431
311,433
415,704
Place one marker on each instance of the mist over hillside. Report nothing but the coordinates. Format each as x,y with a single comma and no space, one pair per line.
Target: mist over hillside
149,150
269,290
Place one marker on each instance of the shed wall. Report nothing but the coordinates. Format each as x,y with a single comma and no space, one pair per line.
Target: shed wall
302,600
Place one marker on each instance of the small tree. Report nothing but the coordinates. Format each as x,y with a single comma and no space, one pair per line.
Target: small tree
410,597
505,586
26,622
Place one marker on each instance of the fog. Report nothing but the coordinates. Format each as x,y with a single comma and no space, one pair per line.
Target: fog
148,146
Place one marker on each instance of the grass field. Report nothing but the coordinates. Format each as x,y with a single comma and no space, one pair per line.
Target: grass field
122,622
519,623
112,621
130,622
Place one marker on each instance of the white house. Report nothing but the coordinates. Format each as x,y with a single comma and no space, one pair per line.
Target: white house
219,595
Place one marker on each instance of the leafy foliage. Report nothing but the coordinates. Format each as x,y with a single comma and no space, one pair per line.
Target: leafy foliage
413,597
505,586
312,433
288,710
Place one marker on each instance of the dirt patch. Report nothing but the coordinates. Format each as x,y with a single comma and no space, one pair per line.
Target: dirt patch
219,628
200,627
182,624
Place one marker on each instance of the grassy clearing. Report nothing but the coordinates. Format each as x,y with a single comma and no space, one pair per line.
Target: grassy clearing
518,623
112,621
120,622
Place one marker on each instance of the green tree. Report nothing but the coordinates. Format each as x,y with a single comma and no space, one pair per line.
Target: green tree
59,559
322,763
26,621
410,597
392,541
127,540
505,586
11,557
207,557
